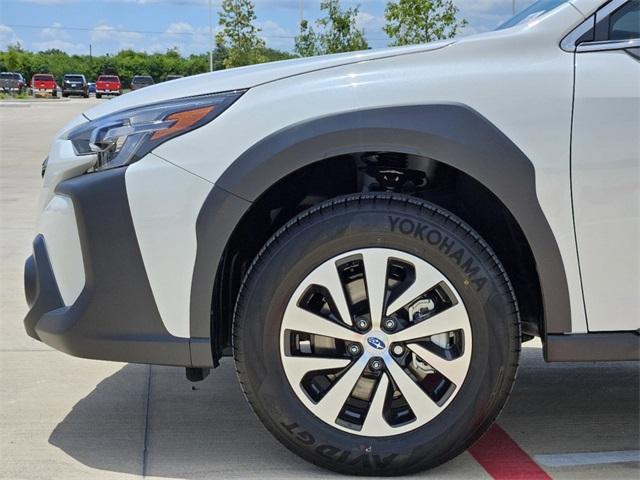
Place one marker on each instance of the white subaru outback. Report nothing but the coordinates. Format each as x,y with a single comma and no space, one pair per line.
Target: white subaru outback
371,235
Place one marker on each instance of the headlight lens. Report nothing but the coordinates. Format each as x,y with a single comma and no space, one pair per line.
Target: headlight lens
124,137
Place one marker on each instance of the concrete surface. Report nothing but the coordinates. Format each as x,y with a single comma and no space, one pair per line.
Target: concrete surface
68,418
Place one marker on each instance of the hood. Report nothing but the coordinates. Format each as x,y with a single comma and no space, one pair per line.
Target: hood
247,77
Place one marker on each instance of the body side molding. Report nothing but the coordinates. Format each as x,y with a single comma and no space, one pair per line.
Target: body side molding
593,347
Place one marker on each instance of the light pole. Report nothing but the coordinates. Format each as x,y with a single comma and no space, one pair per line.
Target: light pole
210,40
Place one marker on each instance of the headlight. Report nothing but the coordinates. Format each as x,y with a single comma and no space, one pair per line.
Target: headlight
124,137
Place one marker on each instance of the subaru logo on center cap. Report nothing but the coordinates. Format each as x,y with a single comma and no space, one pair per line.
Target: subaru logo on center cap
376,343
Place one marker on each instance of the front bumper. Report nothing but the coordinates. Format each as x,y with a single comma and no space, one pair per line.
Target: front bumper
114,316
40,287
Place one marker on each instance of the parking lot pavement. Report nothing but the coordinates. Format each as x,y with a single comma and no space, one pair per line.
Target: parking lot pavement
68,418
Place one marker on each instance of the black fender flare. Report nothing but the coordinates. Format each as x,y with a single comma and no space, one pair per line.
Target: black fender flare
453,134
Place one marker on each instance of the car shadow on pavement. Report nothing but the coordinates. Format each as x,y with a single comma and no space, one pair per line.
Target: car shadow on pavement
166,428
172,429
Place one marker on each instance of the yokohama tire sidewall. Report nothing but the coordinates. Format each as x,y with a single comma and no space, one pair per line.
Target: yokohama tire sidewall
426,234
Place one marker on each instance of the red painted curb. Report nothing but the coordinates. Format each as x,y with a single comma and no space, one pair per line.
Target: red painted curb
503,459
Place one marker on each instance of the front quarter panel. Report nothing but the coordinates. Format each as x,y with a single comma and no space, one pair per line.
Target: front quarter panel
518,79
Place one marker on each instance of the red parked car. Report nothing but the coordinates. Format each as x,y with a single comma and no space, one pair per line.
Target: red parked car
44,83
108,85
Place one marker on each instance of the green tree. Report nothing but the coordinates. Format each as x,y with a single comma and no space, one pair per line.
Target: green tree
14,60
274,55
239,35
337,32
125,63
306,43
421,21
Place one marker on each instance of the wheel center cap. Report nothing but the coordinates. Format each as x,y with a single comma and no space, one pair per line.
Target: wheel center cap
377,343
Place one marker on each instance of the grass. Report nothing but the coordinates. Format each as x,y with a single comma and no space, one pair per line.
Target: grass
22,96
14,96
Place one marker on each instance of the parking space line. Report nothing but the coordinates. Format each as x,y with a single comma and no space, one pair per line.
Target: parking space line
503,458
587,458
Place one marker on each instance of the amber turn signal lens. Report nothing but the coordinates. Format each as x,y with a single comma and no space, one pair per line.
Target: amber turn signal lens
183,120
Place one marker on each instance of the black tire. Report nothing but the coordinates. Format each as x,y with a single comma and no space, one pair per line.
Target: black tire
98,95
64,95
388,221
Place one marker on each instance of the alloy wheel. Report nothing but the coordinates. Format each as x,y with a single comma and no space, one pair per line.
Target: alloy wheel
376,342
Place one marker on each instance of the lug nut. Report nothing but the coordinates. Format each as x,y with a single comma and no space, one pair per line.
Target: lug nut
362,324
375,364
354,349
397,350
390,324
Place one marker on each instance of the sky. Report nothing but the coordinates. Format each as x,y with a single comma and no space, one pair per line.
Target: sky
107,26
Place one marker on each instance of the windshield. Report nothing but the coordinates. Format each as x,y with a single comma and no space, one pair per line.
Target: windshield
13,76
532,11
43,78
73,78
107,78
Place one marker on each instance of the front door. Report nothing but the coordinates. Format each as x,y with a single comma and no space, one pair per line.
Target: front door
606,167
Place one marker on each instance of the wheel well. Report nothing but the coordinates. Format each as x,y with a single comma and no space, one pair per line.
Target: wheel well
416,176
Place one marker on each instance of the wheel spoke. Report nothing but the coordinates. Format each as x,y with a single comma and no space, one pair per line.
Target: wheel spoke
331,404
297,366
453,318
306,319
375,272
374,424
422,406
455,370
327,276
427,277
301,320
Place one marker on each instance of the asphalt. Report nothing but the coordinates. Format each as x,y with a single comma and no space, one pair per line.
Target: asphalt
68,418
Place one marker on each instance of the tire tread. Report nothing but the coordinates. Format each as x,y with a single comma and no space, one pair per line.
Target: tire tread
411,205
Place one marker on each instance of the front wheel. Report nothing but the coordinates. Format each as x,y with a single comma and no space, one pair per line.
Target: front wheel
376,335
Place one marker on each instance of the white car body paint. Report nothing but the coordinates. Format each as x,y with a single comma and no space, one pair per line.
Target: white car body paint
468,71
606,187
246,77
586,7
62,163
57,223
165,201
533,109
57,220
